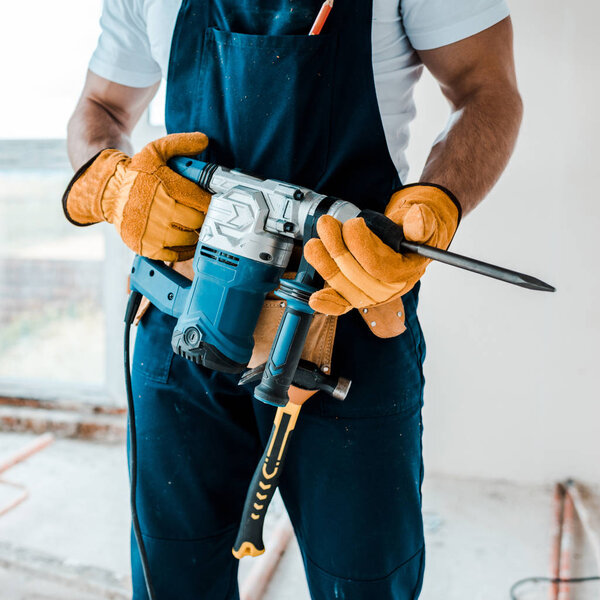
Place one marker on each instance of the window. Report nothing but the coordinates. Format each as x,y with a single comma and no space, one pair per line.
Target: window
58,297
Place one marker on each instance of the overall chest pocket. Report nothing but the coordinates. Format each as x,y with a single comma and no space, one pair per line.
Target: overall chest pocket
266,102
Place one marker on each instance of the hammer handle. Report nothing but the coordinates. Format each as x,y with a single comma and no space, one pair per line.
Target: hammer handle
249,541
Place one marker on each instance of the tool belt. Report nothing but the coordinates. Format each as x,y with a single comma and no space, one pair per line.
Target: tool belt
384,321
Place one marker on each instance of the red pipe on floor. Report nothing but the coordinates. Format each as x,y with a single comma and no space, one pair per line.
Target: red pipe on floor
558,506
39,443
566,548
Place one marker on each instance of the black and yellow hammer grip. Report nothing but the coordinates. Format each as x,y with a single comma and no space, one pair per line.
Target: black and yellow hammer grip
249,540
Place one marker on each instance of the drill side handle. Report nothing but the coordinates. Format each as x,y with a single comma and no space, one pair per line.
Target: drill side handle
288,344
163,286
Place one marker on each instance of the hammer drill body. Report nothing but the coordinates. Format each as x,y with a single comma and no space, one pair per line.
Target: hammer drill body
243,250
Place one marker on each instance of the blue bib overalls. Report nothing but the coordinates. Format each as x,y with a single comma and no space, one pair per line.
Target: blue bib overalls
279,103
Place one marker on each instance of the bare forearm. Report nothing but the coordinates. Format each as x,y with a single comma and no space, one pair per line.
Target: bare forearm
91,129
105,117
477,145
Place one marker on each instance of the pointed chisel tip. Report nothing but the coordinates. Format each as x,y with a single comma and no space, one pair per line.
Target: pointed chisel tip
536,284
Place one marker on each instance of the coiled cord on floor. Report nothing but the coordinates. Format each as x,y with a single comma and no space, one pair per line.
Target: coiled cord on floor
132,308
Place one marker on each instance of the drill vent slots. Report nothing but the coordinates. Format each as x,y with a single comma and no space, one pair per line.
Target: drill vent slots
219,256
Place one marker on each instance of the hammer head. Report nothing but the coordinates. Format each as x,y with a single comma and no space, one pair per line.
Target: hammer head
308,376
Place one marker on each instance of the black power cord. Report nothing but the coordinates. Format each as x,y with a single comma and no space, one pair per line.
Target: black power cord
515,587
132,308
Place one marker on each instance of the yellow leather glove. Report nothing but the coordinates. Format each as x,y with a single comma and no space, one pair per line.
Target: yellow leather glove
360,270
157,212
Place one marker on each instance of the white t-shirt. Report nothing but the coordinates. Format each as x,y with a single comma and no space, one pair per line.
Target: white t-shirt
135,43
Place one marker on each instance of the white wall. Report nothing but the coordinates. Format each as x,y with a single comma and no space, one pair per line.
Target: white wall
513,375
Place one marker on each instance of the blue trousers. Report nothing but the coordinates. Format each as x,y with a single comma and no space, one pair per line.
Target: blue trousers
351,483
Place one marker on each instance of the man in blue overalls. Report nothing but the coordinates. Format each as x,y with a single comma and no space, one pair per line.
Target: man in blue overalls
330,112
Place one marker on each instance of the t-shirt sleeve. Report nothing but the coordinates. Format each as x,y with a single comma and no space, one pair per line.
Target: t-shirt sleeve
123,52
434,23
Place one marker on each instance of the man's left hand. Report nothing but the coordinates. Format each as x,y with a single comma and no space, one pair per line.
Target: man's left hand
360,269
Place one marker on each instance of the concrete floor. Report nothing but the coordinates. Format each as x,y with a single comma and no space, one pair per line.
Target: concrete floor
69,540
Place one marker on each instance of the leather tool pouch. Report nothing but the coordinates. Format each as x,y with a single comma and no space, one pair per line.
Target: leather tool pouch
318,348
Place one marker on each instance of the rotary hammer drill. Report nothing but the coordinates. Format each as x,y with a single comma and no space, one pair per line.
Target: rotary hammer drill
244,248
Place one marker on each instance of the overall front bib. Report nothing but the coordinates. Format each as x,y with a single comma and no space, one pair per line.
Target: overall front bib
303,109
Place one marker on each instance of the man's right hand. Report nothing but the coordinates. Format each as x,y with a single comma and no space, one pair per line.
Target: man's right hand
157,212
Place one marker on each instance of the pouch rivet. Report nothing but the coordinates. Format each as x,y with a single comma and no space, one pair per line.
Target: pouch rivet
325,368
399,313
282,304
373,323
365,310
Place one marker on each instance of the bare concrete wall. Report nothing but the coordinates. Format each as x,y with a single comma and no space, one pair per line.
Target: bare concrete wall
513,375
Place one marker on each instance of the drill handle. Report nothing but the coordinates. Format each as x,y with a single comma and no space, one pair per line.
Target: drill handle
249,541
193,169
163,286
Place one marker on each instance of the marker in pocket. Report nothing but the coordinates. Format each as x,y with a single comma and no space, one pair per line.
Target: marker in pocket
321,18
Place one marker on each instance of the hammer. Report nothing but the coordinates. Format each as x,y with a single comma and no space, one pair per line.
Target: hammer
308,380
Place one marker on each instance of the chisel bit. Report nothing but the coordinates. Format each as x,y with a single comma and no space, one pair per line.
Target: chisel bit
477,266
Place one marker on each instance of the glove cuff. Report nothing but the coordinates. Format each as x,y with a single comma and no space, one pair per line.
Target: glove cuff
82,200
404,193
